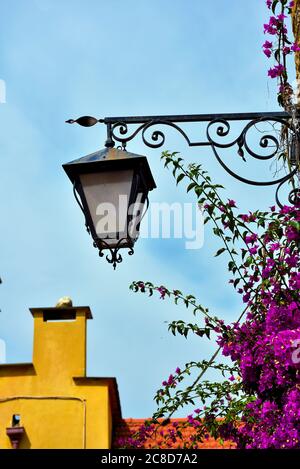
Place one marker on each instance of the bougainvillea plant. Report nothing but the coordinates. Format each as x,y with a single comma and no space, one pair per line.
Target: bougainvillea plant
255,403
279,46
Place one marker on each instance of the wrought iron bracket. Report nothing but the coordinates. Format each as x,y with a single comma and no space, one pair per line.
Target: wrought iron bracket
281,139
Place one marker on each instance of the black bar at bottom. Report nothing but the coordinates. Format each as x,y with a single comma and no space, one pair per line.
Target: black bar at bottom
136,458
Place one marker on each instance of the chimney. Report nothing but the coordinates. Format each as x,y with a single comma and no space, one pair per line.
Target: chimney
59,344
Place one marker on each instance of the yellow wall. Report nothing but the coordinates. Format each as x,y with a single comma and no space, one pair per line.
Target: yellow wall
56,410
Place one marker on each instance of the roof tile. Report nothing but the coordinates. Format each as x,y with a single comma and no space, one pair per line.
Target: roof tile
127,427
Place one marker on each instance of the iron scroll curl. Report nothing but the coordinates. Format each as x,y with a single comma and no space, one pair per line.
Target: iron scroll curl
266,141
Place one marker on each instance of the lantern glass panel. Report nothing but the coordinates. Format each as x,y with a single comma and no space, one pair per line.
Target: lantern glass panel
108,196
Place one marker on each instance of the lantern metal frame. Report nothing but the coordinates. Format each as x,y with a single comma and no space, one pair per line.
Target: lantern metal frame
112,160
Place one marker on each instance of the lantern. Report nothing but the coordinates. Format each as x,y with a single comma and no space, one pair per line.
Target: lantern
111,186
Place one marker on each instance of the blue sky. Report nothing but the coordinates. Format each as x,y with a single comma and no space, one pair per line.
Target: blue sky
61,59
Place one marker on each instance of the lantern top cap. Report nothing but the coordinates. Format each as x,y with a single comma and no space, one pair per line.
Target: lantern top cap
109,159
106,154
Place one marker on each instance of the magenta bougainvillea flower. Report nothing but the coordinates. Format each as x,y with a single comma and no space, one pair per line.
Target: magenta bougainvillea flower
295,47
280,47
276,71
267,45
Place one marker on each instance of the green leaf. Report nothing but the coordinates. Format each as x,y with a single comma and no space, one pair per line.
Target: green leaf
191,186
275,3
220,251
236,282
277,55
179,178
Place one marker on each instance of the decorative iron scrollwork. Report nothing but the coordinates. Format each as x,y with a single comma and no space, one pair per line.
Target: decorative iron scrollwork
114,257
218,129
266,142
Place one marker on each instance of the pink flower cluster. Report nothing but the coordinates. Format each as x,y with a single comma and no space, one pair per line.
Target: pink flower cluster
280,47
267,345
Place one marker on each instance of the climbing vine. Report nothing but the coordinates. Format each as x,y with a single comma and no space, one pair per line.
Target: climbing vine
255,401
279,46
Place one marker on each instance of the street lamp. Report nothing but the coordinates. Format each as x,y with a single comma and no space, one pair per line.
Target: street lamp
111,187
105,174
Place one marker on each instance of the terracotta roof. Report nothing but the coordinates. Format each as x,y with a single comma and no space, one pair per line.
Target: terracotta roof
127,427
